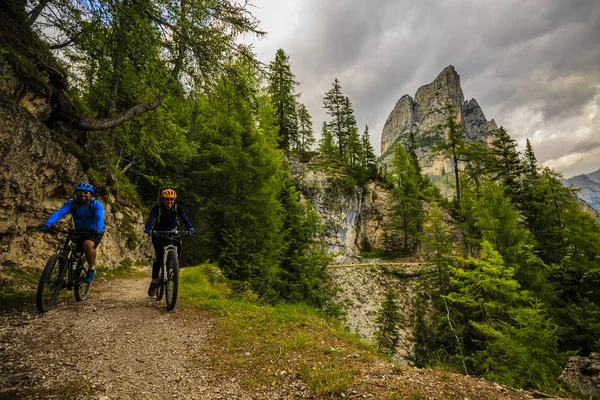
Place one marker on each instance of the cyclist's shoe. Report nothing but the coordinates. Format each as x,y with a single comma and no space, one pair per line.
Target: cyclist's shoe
90,275
152,289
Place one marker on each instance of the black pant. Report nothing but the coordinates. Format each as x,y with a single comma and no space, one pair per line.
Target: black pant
159,244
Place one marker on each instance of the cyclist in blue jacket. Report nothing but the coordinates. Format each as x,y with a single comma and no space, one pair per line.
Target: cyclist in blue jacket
88,216
164,217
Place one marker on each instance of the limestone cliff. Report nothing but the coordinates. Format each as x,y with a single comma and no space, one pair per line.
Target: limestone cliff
427,110
37,174
349,214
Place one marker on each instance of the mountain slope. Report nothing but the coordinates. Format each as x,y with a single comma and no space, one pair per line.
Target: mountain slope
589,187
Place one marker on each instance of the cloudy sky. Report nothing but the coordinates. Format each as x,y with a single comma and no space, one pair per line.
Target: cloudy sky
532,65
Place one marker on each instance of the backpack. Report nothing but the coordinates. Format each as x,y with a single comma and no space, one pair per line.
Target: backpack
90,202
174,209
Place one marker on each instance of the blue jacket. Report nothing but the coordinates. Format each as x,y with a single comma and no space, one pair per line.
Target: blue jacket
87,217
168,219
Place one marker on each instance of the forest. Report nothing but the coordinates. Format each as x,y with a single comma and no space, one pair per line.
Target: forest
152,94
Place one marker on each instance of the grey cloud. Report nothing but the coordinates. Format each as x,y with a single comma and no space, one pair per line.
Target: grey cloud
539,55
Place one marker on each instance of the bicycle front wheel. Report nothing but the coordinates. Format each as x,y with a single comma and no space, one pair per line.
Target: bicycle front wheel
172,282
82,288
51,282
160,286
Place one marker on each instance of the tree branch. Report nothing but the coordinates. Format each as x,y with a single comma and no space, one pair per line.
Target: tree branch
89,124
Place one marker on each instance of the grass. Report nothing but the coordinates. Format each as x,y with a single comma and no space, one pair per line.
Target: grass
268,343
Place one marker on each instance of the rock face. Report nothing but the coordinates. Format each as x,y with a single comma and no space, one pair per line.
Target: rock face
589,188
582,376
361,289
349,214
37,175
419,116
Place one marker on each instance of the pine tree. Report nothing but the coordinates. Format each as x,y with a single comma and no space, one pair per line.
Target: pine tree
281,87
334,102
387,321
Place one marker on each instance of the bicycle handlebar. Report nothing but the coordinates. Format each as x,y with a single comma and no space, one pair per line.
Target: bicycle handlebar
54,231
174,232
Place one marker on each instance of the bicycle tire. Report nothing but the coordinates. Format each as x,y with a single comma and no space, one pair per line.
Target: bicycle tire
160,286
51,282
82,288
172,282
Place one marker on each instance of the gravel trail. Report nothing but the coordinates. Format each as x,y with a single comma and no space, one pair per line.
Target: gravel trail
118,344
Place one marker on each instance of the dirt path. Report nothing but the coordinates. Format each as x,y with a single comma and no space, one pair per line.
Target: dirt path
118,344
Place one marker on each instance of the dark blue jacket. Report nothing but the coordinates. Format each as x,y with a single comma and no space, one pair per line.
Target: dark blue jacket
168,219
87,217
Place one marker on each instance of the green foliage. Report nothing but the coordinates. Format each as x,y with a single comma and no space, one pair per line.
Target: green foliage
406,206
387,321
300,278
281,88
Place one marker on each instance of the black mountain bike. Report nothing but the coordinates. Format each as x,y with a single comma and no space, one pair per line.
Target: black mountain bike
168,275
53,280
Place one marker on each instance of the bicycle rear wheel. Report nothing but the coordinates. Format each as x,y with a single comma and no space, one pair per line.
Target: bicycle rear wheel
82,288
51,282
172,283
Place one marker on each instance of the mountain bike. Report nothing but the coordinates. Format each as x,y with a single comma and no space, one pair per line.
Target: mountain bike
66,260
168,275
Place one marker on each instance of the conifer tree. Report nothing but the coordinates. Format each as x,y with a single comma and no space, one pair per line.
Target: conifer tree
350,128
334,104
387,321
503,326
282,87
530,160
504,163
239,176
327,145
437,238
306,138
453,145
369,160
406,205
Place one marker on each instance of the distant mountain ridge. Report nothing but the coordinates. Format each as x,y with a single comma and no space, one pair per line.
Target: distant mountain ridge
589,188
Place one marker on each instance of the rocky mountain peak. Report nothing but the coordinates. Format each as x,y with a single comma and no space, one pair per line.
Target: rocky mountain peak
419,115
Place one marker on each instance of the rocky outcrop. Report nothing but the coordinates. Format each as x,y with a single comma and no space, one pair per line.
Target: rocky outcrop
582,376
361,289
419,116
349,214
37,174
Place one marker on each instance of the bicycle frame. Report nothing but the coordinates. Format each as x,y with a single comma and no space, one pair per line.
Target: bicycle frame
165,277
73,258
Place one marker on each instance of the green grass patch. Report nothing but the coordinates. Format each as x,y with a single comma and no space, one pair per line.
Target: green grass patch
127,269
19,286
264,343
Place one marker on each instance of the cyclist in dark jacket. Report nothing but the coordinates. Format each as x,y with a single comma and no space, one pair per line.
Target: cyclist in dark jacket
88,216
164,217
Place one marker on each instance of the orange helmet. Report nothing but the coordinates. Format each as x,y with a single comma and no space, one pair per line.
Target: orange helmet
168,193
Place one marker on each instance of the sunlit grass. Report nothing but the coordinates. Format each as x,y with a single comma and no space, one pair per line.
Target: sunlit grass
267,343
